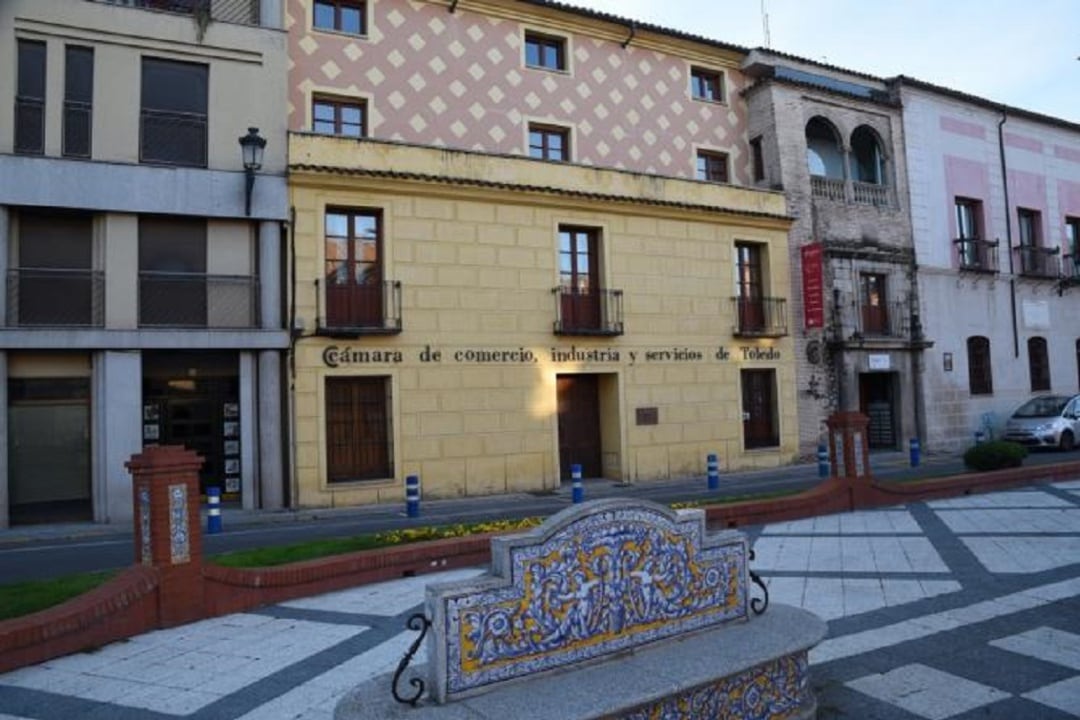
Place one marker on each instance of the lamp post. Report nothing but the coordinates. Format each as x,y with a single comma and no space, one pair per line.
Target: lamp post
252,147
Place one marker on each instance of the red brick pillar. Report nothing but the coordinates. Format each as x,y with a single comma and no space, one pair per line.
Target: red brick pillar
165,482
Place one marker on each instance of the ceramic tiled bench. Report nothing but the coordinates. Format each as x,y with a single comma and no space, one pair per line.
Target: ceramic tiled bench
611,609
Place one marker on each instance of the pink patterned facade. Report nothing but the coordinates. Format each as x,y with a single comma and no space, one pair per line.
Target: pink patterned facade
458,79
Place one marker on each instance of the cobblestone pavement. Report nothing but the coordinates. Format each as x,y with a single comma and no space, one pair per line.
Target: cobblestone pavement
956,609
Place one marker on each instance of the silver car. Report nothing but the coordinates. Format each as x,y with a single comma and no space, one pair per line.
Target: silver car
1046,421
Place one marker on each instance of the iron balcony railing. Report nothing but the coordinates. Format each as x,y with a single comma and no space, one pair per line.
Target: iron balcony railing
855,319
588,312
976,255
172,138
760,317
1037,262
372,309
197,300
55,297
77,124
29,125
1070,269
244,12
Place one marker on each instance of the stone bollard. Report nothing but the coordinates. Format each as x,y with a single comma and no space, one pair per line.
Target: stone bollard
168,536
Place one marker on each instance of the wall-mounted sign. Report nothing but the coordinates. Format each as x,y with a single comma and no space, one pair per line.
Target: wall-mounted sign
878,362
947,360
813,285
647,416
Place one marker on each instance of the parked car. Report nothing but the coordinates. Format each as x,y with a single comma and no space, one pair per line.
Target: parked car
1046,421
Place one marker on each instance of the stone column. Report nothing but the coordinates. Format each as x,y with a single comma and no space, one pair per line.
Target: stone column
165,483
271,477
270,275
4,479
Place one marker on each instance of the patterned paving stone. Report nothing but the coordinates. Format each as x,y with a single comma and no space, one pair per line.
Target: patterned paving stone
1063,696
1045,643
927,692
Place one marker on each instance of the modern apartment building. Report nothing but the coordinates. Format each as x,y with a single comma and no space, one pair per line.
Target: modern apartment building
143,264
527,237
833,141
995,204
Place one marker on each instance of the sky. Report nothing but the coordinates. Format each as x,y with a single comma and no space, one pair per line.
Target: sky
1023,53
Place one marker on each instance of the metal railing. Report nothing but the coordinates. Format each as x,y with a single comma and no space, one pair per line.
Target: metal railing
373,309
29,125
828,188
760,317
173,138
1070,269
588,312
974,255
180,299
244,12
1037,262
855,320
55,297
870,194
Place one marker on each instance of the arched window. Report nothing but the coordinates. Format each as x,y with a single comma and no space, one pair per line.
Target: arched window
824,156
1038,364
867,159
980,378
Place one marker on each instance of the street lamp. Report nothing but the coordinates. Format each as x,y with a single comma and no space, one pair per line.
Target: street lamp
252,146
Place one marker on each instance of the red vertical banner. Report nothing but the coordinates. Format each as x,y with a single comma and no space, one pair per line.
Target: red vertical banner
813,286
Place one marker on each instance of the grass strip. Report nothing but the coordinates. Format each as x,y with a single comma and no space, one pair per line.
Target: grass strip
23,598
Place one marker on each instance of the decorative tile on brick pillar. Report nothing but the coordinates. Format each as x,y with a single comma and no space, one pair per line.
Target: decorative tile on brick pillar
165,482
849,452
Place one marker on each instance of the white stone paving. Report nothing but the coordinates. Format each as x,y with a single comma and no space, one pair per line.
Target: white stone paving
927,692
385,598
1045,643
883,522
1018,521
1063,696
833,598
847,554
1013,555
1032,498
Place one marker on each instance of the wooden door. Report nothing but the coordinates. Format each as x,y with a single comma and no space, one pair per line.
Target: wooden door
579,424
579,278
759,409
749,283
358,429
874,307
354,283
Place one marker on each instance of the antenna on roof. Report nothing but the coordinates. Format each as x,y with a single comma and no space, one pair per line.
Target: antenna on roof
765,24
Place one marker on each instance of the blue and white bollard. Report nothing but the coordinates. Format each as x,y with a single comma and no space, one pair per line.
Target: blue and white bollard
915,451
822,461
412,496
713,466
980,437
213,510
578,491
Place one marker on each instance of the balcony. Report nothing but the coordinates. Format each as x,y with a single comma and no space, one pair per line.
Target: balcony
870,194
827,188
54,297
588,312
760,317
859,193
977,256
1070,270
243,12
354,310
172,138
856,321
196,300
1037,262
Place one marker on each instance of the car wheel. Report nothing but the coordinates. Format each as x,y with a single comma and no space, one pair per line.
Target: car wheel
1068,442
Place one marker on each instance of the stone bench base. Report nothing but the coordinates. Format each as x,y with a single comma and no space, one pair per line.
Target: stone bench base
753,670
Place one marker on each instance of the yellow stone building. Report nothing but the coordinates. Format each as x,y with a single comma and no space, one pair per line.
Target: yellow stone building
478,371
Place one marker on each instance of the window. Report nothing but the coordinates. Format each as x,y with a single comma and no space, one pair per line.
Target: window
173,117
347,16
30,99
354,282
970,250
1038,364
1072,248
824,158
54,283
712,166
758,157
749,291
867,160
545,51
549,143
358,429
1028,227
980,378
706,85
78,100
172,271
579,278
339,117
760,426
875,313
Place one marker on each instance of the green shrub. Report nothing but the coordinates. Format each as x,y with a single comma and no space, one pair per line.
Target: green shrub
995,455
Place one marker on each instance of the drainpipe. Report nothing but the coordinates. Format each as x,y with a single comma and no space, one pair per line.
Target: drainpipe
1008,233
